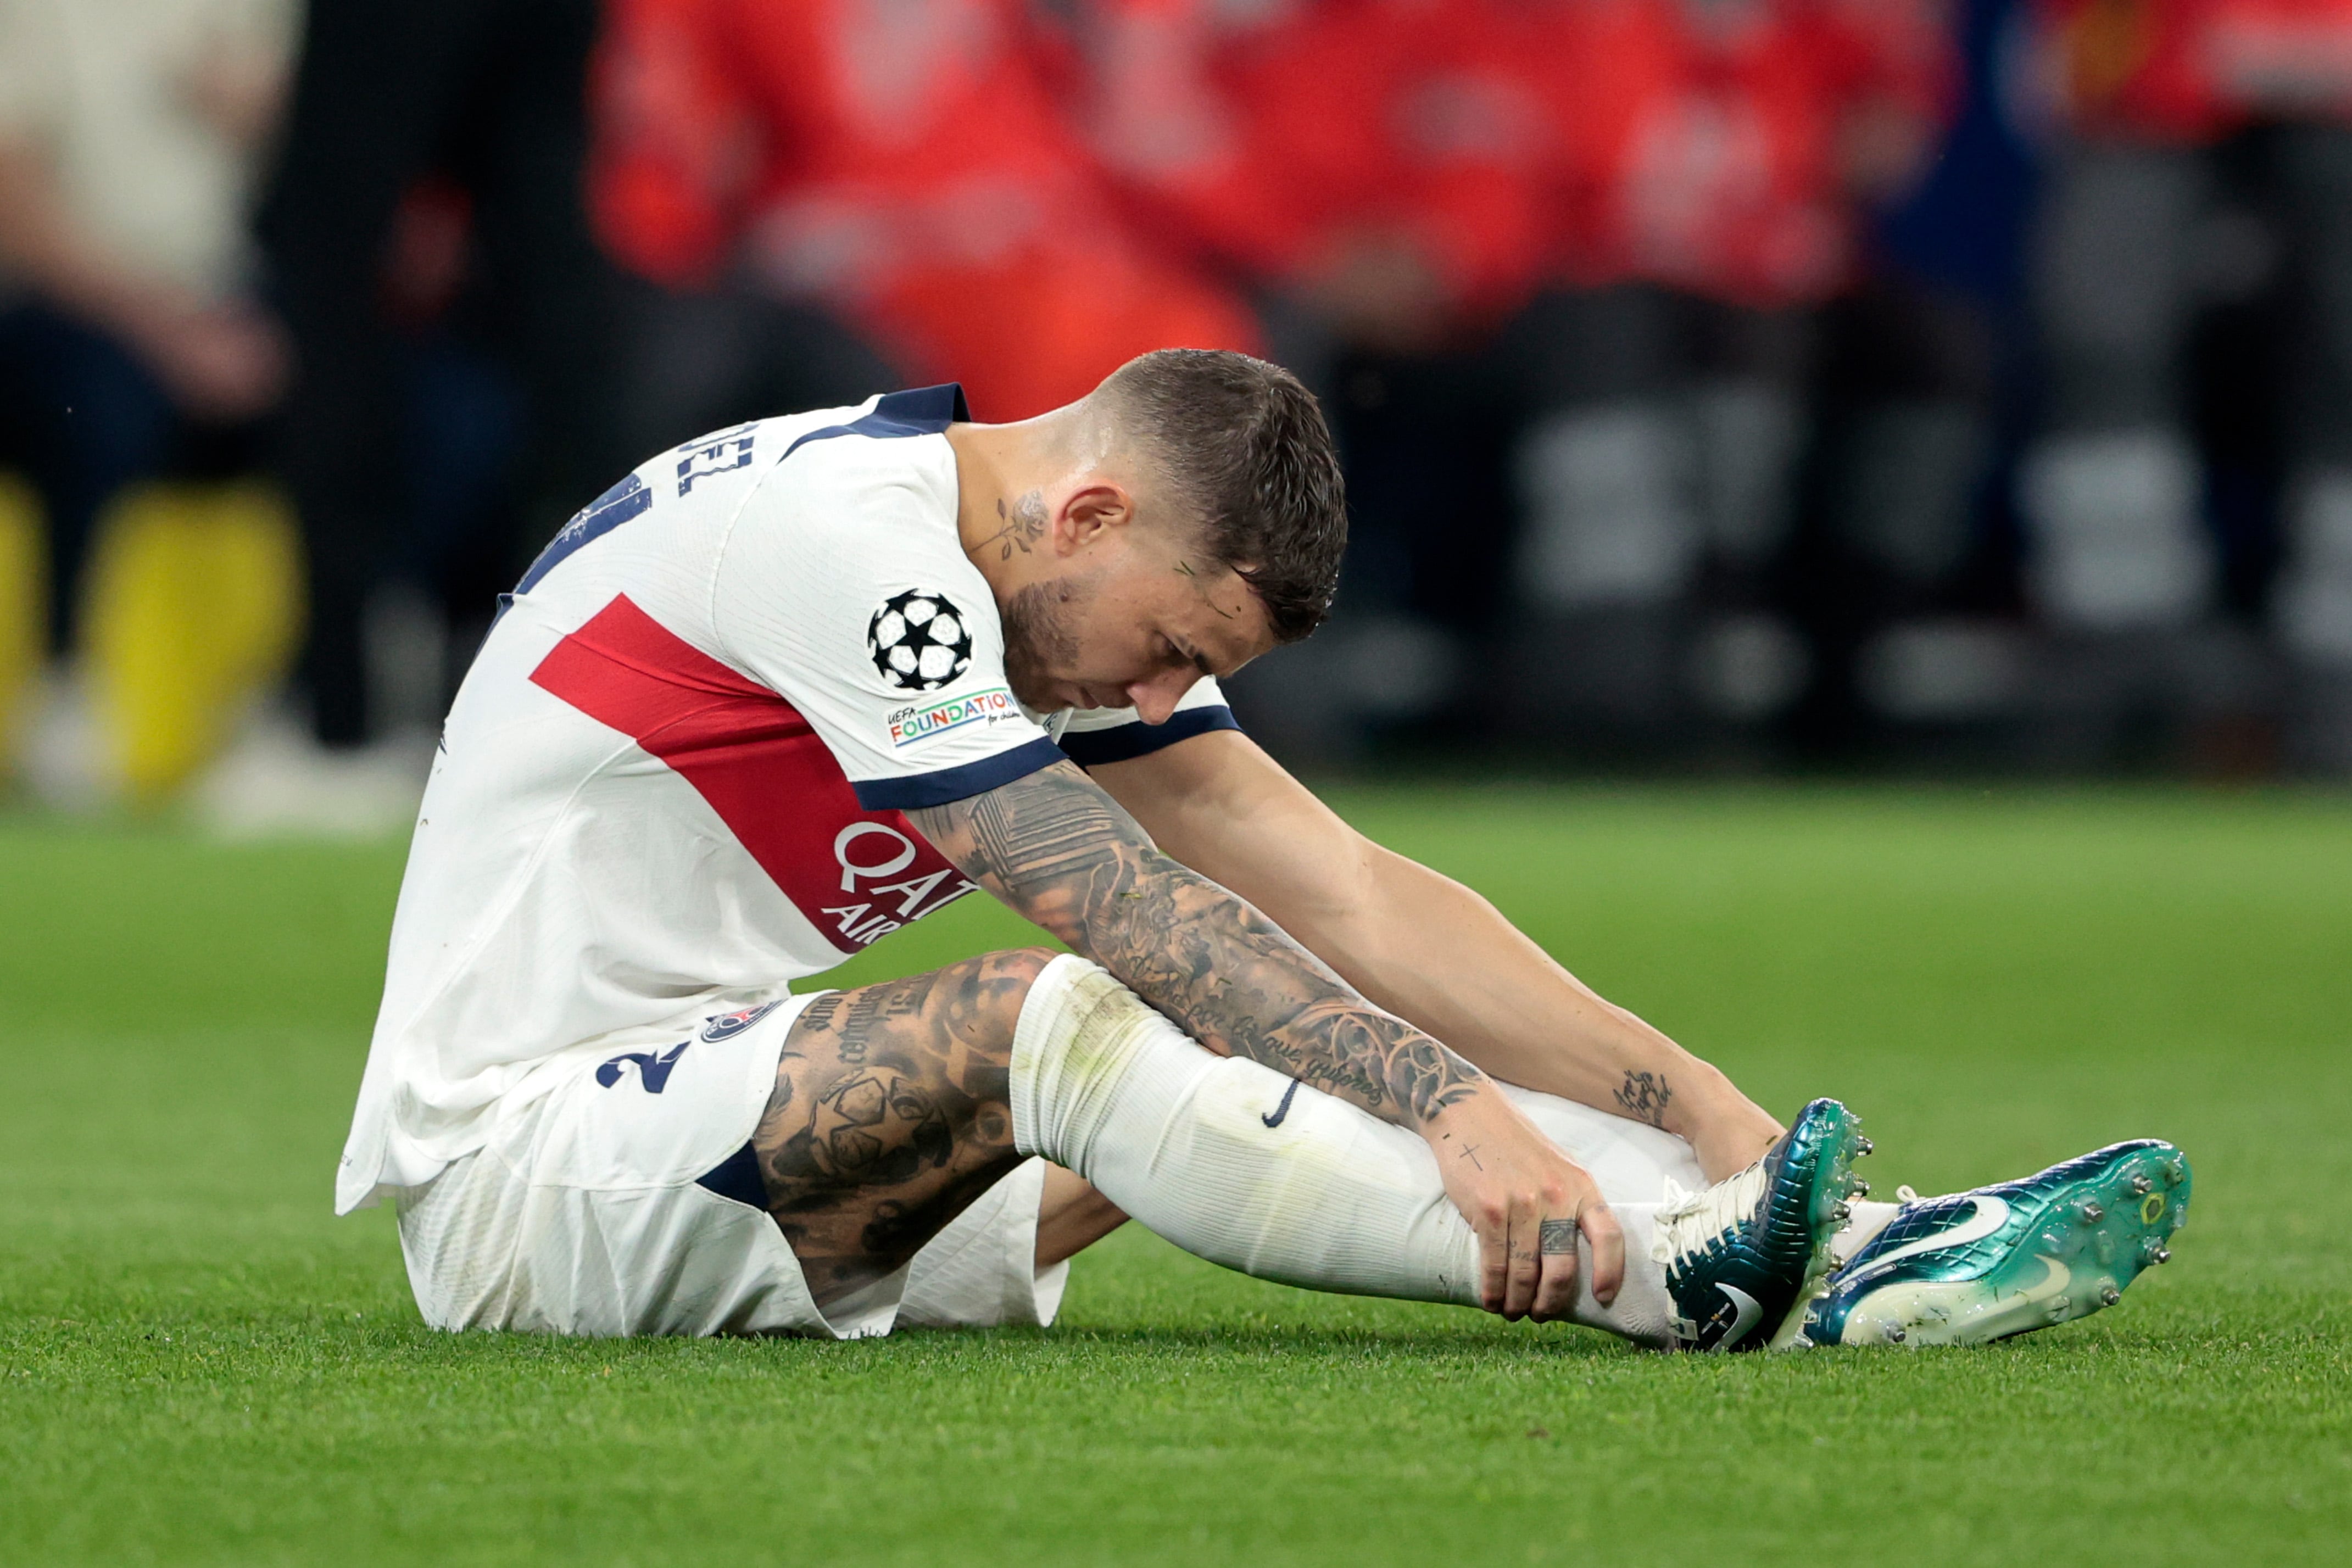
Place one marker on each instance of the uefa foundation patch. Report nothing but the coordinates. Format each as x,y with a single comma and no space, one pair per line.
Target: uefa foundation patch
909,724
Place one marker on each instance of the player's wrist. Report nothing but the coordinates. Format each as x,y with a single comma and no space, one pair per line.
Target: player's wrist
1473,1105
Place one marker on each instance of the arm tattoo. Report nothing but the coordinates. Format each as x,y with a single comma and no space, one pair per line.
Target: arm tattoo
1059,851
1644,1097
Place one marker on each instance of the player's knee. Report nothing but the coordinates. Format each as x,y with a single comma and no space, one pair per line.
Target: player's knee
1017,967
1000,984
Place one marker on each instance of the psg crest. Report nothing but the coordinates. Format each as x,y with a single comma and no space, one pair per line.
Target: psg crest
726,1026
919,641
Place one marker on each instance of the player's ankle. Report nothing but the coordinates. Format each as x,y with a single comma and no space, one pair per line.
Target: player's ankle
1727,1130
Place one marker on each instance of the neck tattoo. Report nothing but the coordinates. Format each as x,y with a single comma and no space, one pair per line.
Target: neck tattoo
1023,526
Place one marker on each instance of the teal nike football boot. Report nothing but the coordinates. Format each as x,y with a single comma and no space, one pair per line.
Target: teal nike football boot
1980,1266
1745,1255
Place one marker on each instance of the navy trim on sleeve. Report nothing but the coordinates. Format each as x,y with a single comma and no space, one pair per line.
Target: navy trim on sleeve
738,1177
1087,747
956,783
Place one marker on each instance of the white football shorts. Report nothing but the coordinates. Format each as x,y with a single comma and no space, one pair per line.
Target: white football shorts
626,1201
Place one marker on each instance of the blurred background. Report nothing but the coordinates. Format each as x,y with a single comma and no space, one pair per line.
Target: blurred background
1726,386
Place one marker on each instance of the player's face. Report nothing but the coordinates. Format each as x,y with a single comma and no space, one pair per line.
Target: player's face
1132,622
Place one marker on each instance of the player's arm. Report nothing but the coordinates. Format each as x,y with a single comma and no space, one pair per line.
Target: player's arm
1058,850
1423,945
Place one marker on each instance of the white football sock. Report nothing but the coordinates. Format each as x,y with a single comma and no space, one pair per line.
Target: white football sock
1238,1164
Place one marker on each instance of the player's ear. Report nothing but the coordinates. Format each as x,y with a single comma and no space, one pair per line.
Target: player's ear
1090,514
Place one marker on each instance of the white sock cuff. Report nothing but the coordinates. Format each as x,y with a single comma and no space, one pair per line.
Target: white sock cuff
1044,1013
1080,1035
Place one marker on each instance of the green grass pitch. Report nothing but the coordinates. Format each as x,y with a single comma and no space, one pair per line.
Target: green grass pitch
199,1364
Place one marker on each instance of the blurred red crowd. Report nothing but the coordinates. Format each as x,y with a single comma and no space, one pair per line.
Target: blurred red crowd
1603,274
1030,197
1030,201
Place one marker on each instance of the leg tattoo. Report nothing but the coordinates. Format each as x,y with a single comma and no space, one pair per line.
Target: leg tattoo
891,1113
1644,1096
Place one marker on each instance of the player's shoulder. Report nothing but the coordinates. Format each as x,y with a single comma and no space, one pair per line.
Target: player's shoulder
880,440
854,470
848,562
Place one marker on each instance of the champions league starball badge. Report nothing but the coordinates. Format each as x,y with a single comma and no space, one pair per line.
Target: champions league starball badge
919,641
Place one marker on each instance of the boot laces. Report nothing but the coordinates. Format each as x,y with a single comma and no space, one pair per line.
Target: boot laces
1691,1224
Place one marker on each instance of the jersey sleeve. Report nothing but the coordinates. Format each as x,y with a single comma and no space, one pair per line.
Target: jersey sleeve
843,589
1116,734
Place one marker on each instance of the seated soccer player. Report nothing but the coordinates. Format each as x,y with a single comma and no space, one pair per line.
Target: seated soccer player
798,683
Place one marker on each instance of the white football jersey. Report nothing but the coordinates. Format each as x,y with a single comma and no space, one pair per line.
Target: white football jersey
675,775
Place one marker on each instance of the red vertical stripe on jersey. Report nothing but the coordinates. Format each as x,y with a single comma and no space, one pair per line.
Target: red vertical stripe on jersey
857,875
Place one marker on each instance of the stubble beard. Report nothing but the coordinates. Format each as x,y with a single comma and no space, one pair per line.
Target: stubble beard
1038,638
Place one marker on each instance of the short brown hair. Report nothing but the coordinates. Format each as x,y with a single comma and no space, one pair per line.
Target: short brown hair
1245,448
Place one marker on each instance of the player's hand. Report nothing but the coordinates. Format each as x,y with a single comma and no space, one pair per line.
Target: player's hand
1529,1202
